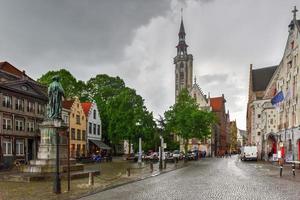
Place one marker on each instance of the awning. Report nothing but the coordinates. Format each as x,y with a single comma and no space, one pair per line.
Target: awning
100,144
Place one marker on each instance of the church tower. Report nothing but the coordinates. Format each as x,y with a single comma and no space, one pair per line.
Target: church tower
183,64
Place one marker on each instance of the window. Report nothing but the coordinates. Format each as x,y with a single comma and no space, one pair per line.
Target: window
7,101
30,126
72,134
258,133
77,119
41,109
7,147
66,119
20,104
83,148
6,124
78,149
94,131
19,125
258,116
30,107
98,131
78,134
90,127
83,135
19,147
95,114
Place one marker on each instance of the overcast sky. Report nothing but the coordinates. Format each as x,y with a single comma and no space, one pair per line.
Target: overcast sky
136,40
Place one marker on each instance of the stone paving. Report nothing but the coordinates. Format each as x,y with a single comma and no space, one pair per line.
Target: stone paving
217,178
112,174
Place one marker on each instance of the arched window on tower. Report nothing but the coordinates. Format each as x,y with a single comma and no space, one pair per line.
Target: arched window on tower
181,76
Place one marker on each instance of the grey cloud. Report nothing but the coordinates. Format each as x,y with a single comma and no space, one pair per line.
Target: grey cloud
136,40
86,32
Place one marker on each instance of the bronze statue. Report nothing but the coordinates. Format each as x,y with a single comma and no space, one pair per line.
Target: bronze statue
55,95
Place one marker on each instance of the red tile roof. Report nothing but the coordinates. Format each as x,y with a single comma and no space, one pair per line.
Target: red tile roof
7,67
86,106
217,103
68,104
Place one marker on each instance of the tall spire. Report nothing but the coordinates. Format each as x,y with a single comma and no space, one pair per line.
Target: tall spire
182,46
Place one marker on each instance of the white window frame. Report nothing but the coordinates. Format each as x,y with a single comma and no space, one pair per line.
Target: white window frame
18,123
5,147
30,127
7,101
5,122
20,147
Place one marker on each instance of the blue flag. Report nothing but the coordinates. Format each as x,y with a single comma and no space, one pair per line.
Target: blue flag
277,98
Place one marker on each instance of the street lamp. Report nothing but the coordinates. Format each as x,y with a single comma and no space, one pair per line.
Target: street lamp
140,145
57,184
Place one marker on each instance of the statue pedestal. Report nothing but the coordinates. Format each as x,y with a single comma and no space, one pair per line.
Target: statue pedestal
47,149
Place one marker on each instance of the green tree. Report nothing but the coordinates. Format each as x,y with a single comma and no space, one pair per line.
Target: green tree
167,134
103,89
71,86
186,120
129,118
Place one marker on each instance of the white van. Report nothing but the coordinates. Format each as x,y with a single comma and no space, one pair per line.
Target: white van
249,153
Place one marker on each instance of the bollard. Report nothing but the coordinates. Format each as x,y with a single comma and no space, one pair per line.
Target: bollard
293,168
281,167
151,166
91,178
128,171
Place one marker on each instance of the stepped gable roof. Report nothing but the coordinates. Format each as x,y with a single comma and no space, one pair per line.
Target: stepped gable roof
86,106
261,77
217,103
197,87
68,104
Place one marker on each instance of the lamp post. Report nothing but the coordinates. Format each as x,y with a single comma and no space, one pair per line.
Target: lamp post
140,145
57,185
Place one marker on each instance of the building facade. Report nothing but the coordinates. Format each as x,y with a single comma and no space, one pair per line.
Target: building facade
94,127
77,128
279,122
221,129
22,109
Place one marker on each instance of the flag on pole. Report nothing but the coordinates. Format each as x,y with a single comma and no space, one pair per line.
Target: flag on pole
277,98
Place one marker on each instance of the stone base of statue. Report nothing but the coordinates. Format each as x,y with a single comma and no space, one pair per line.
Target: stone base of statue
46,157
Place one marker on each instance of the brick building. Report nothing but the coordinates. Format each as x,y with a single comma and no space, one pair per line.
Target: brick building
22,109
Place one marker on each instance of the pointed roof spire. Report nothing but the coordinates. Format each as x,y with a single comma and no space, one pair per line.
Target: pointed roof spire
294,12
181,30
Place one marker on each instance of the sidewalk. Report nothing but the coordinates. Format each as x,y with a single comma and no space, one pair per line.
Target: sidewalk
112,174
272,169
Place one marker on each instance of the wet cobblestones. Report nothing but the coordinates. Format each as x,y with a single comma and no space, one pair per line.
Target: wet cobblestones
218,178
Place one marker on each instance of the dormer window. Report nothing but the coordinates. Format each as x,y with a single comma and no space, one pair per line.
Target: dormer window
94,114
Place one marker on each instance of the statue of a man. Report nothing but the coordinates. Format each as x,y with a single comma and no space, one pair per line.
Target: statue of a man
55,95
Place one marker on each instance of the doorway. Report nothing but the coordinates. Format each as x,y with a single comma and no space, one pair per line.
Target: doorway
30,149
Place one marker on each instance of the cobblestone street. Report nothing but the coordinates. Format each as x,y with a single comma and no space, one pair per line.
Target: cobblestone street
217,178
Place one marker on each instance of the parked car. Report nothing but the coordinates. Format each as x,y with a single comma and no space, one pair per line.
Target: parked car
178,155
190,155
152,156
